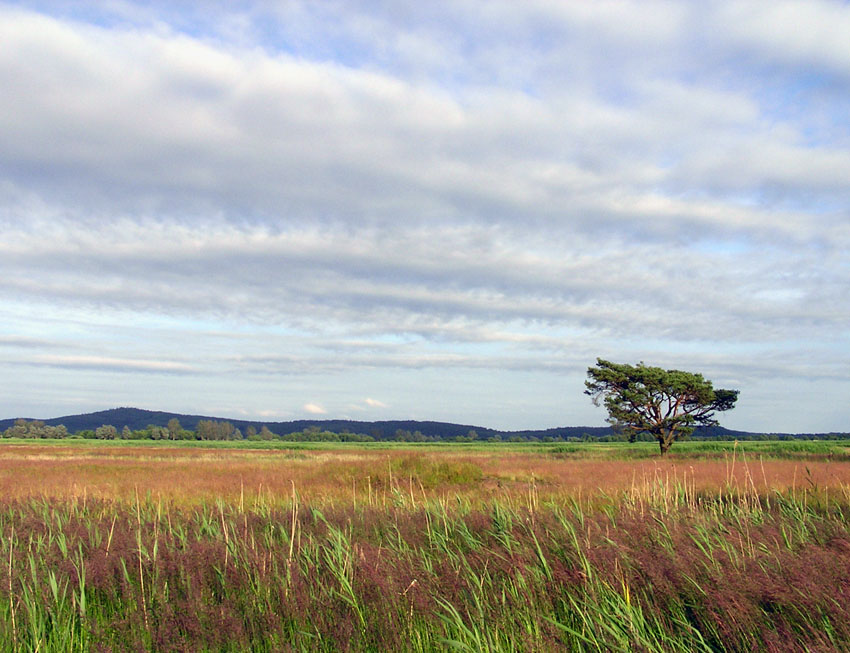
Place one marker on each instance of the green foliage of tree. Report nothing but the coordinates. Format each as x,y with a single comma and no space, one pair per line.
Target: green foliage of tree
34,429
210,429
666,404
174,429
265,435
106,432
315,434
155,432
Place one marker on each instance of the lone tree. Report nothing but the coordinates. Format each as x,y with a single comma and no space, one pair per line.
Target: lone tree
667,404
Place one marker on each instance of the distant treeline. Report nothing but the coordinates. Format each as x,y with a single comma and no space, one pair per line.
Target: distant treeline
223,430
137,420
205,430
210,430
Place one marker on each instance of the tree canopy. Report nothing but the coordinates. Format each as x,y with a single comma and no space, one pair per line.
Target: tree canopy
668,404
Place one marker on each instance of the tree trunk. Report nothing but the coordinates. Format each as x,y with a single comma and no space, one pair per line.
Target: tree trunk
666,438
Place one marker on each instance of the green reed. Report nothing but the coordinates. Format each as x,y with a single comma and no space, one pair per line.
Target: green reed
658,568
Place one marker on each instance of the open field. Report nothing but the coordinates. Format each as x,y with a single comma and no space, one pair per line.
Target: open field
421,547
192,473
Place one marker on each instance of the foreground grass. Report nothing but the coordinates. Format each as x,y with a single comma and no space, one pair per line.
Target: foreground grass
661,567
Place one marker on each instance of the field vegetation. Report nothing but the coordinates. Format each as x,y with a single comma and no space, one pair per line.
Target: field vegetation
473,547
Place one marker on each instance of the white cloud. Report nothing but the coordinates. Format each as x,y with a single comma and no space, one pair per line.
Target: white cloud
269,413
111,364
314,409
497,189
810,34
374,403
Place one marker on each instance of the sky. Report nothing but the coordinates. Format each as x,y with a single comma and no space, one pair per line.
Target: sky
423,210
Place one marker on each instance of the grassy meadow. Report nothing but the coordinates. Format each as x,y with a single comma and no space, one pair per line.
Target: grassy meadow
388,547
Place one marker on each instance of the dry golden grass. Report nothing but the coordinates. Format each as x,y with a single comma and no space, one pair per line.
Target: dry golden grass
193,475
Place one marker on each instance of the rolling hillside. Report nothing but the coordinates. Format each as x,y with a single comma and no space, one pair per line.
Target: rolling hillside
137,418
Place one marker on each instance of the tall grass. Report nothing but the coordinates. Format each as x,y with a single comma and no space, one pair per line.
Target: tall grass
662,566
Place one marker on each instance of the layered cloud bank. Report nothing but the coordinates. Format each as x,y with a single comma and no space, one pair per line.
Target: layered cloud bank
445,212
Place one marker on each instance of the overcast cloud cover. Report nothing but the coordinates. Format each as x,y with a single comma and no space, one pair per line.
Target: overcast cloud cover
427,210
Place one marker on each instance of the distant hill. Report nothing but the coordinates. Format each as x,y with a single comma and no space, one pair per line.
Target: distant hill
137,418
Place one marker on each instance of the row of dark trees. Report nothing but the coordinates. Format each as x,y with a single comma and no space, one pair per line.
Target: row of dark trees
210,429
34,429
205,430
223,430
